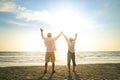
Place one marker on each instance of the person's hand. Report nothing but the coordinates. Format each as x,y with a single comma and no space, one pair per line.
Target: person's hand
61,32
76,34
41,29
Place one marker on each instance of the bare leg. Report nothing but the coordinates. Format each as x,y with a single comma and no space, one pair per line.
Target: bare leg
53,66
73,60
46,64
68,68
73,68
68,62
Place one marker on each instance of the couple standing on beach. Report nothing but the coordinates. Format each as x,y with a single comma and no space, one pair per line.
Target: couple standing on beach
51,48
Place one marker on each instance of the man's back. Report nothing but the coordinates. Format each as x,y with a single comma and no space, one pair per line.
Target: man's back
50,44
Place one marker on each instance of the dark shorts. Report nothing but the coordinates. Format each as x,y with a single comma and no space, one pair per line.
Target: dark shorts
71,56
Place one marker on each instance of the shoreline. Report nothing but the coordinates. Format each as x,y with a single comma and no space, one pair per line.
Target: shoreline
83,71
49,64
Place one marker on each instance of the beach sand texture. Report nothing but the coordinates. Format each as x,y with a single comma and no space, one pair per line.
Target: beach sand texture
83,72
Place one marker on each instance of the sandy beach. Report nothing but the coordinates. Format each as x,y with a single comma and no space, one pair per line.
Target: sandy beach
83,72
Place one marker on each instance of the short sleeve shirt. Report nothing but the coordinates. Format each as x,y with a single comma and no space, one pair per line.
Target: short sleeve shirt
50,44
71,46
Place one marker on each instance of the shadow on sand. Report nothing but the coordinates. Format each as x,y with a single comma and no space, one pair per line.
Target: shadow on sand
41,77
69,76
50,77
76,76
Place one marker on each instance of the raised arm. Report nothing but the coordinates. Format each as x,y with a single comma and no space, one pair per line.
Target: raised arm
75,36
59,35
42,32
65,37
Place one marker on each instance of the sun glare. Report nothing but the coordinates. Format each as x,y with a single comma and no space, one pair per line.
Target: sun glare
31,42
66,20
70,21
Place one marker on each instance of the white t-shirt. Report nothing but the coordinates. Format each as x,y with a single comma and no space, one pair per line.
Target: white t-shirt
50,44
71,46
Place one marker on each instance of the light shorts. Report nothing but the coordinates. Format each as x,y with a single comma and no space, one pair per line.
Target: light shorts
50,57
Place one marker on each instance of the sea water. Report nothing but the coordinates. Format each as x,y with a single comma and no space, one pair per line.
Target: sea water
38,58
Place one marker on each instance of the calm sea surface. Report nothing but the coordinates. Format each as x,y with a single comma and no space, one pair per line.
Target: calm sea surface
37,58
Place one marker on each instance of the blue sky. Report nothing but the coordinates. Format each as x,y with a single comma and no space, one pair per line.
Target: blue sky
95,21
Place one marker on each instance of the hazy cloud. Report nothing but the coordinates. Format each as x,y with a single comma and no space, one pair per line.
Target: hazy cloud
40,16
61,19
7,6
18,23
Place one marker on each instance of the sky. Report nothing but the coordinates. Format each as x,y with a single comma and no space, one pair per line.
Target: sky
97,23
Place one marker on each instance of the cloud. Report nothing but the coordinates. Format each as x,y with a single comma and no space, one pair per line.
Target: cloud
7,6
24,13
18,23
61,19
40,16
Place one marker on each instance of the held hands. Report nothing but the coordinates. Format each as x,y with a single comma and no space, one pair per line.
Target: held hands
61,32
41,29
75,34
